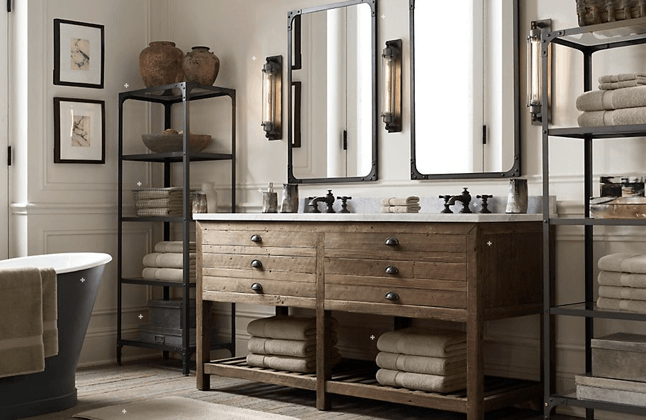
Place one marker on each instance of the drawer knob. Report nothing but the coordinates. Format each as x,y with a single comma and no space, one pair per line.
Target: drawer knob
256,238
391,242
256,287
391,270
256,264
392,296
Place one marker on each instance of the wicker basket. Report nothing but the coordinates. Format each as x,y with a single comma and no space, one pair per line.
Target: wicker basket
592,12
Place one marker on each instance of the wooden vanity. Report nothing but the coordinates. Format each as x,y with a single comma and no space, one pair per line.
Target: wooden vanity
462,268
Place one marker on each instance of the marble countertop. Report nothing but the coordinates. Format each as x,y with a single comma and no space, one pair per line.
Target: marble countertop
368,217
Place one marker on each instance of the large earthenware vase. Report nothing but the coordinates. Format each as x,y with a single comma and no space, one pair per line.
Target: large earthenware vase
161,64
201,66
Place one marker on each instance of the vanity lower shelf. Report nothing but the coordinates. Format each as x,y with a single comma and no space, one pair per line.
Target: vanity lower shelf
357,378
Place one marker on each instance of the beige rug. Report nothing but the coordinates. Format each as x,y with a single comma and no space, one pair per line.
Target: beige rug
176,408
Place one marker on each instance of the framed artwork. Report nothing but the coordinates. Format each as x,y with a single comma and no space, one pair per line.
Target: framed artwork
78,54
79,130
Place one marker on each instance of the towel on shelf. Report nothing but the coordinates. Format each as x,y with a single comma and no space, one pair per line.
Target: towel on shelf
622,85
401,209
421,382
617,278
423,342
606,100
444,366
623,262
619,292
159,203
167,274
621,77
292,364
278,347
621,304
22,350
286,327
50,311
173,246
393,201
156,193
144,212
626,116
167,260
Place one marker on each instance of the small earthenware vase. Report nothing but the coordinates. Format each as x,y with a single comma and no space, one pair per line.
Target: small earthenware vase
160,63
201,66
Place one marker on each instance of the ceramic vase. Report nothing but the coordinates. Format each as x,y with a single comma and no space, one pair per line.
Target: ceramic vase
201,66
160,63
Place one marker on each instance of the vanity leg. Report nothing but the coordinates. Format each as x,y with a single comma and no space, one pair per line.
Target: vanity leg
203,344
323,370
282,310
475,327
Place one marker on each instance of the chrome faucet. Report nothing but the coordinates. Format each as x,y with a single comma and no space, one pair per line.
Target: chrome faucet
328,199
464,198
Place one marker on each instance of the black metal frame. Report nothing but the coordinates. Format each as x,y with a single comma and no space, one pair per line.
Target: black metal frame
293,20
515,170
57,57
167,96
587,309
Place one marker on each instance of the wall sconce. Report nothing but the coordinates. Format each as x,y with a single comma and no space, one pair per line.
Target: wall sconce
272,98
392,62
539,107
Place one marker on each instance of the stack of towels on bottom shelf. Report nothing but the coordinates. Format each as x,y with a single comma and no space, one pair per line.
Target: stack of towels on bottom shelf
158,201
400,205
433,360
622,282
28,319
620,100
287,343
167,262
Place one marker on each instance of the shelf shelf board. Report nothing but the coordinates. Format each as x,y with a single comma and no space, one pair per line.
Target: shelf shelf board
591,310
571,400
147,282
582,221
172,93
163,347
174,157
609,132
603,36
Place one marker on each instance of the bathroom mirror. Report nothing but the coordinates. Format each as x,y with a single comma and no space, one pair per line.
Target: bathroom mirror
465,94
332,108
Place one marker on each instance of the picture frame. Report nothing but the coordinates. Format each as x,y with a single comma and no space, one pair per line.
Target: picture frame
79,130
79,53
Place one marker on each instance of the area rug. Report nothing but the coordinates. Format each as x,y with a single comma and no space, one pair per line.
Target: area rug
176,408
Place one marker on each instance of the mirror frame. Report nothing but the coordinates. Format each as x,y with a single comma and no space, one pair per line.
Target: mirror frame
293,21
514,171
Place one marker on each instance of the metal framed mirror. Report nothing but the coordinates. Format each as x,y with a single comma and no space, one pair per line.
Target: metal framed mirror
465,89
332,105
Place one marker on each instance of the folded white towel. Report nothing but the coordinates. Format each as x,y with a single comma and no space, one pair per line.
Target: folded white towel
401,209
623,262
622,85
617,278
621,304
626,116
167,259
618,292
621,77
421,382
292,348
292,364
286,327
605,100
423,364
423,342
159,203
173,246
393,201
167,274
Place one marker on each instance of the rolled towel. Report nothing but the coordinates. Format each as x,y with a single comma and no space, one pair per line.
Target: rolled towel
623,262
292,364
50,311
617,278
615,292
286,327
167,259
292,348
173,246
421,382
423,342
622,304
621,77
400,201
444,366
400,209
167,274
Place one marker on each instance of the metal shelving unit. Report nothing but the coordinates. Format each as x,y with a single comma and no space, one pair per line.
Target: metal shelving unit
168,95
587,40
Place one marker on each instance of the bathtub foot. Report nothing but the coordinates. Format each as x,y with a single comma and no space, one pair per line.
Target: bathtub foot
165,354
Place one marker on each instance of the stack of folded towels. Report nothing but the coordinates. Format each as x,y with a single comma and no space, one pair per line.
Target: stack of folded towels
622,282
28,319
167,262
158,201
400,205
433,360
287,343
620,100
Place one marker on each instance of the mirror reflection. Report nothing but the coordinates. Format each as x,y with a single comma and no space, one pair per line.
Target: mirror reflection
335,93
465,89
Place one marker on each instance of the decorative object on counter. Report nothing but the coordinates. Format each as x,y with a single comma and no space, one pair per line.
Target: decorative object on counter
392,63
160,63
592,12
198,202
622,282
313,203
290,199
211,197
344,203
608,187
517,196
158,201
287,343
173,141
79,53
167,262
464,198
618,208
616,104
431,360
400,205
485,204
535,79
272,98
201,66
269,199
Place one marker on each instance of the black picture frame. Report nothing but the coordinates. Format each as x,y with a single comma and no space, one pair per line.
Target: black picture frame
79,53
79,130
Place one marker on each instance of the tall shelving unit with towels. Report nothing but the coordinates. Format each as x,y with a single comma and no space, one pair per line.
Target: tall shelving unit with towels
587,40
180,94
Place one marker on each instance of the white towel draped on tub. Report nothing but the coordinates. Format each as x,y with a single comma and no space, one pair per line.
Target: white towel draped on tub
28,313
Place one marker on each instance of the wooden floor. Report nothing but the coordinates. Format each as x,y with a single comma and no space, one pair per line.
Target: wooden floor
115,385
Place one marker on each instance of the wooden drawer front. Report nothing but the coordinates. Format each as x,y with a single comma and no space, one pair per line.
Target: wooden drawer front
396,269
257,238
376,293
262,287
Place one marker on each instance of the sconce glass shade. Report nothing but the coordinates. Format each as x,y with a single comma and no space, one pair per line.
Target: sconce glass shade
392,66
538,106
272,97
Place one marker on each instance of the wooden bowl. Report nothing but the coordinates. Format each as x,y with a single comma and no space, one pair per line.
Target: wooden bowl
163,143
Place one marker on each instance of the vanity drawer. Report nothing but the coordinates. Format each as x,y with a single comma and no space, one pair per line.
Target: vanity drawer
395,269
259,287
257,236
275,267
